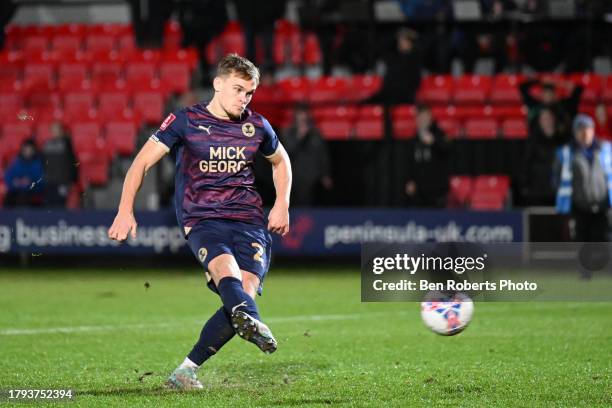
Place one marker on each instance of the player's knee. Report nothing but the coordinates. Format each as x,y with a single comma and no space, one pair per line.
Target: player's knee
223,266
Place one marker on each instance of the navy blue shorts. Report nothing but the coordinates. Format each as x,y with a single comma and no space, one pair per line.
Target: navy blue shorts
249,244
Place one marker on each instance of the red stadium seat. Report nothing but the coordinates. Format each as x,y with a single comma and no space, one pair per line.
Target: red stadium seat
472,89
233,38
121,137
312,50
509,111
73,77
481,128
363,86
93,167
460,190
335,129
404,128
105,71
592,85
606,95
513,128
173,36
404,112
42,133
66,44
339,112
78,105
71,29
176,77
10,104
328,89
505,90
38,77
149,106
450,127
111,105
369,128
35,45
100,43
492,183
296,89
488,201
43,100
436,89
287,43
13,134
463,112
370,112
139,75
187,56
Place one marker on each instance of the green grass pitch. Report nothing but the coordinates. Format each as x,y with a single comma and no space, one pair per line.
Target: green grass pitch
113,341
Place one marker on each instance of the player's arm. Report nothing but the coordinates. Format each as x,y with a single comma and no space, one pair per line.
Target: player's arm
278,219
125,222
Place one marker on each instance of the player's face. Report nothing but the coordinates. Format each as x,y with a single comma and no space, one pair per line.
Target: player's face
234,93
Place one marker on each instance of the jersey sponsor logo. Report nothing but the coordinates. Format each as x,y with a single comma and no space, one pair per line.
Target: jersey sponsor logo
169,119
202,254
248,129
224,159
207,129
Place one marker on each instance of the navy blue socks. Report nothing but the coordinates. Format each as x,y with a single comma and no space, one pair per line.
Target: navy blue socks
235,298
216,332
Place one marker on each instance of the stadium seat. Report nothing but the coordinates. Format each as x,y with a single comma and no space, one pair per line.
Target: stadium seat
233,38
513,128
363,86
36,100
42,133
106,71
173,35
73,77
370,112
35,45
38,77
139,75
592,85
328,89
111,105
175,76
287,43
99,43
465,112
296,89
121,137
77,105
481,128
66,44
13,134
85,136
459,192
369,128
335,129
450,127
404,128
436,89
508,111
10,104
187,56
505,90
312,49
339,112
606,95
492,183
149,106
488,201
93,168
472,89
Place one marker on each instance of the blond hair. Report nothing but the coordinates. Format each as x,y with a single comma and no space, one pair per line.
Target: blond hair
235,64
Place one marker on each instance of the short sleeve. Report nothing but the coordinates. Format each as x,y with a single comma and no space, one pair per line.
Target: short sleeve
269,143
171,130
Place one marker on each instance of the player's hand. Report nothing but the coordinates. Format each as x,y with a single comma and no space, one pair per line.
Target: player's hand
278,219
124,224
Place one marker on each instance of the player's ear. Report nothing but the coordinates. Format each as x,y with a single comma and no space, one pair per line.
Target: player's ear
217,82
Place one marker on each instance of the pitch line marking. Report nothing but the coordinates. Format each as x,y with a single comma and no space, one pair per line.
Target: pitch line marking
96,328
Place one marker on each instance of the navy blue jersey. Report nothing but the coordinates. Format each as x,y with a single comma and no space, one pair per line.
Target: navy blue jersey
214,163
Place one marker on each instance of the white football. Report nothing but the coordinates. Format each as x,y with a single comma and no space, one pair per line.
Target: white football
447,314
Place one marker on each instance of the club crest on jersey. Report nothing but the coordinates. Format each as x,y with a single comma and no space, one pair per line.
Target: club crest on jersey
248,129
167,121
202,254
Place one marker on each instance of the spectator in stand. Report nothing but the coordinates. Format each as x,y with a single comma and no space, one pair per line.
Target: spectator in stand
403,75
544,139
309,158
257,19
60,166
603,124
584,173
563,109
24,178
427,174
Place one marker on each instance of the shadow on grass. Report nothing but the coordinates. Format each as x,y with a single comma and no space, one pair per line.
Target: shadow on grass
117,392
